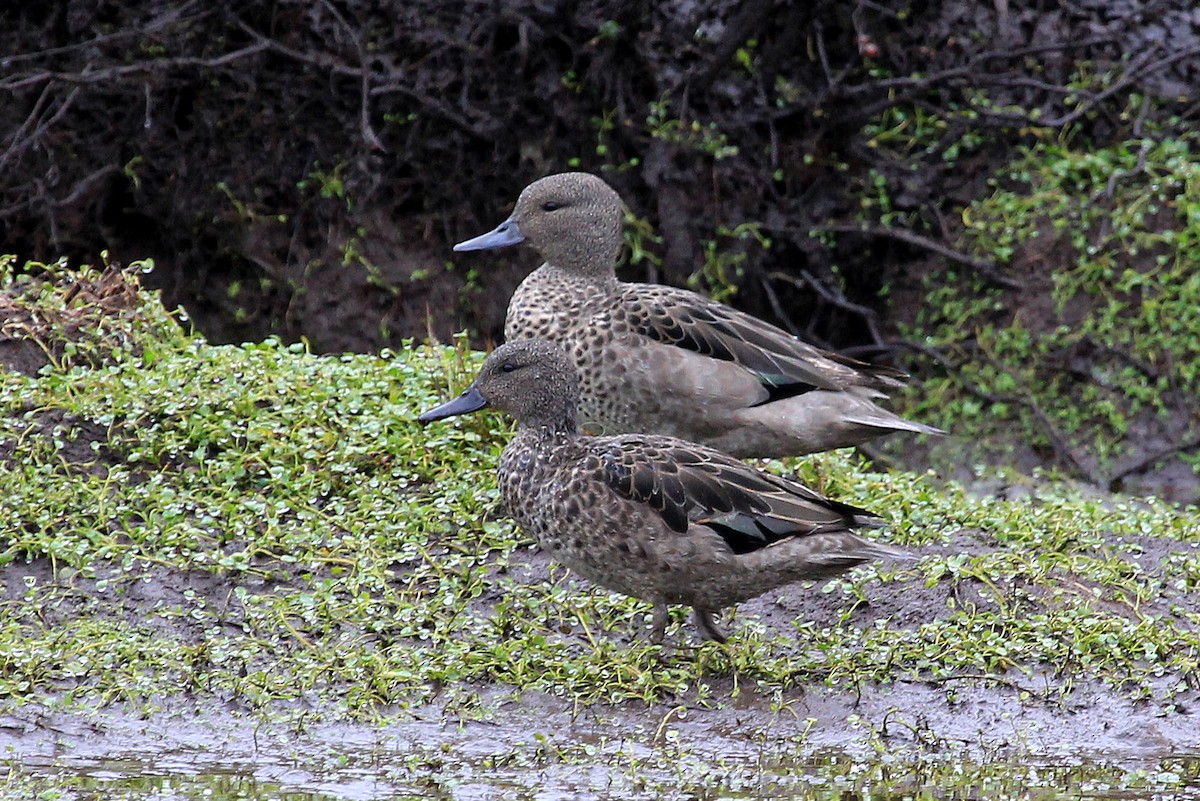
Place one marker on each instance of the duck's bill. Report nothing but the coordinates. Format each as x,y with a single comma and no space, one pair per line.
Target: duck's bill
470,401
505,234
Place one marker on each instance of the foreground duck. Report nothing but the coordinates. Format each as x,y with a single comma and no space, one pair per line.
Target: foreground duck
664,360
654,517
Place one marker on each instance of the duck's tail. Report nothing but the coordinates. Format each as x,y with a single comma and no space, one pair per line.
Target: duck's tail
885,422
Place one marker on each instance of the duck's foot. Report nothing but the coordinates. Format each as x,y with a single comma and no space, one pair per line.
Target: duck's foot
706,625
658,625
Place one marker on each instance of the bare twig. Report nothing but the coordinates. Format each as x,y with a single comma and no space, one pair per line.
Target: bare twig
1141,464
776,306
831,81
973,69
364,107
170,17
834,298
987,269
1062,448
932,353
42,127
1132,72
137,70
84,184
975,73
396,82
822,55
1137,70
38,106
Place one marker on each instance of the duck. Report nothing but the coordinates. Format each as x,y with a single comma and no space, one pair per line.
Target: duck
664,360
650,516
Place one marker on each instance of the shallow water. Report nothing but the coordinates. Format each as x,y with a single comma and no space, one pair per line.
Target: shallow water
604,774
882,743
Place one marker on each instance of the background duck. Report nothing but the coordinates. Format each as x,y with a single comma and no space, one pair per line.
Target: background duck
654,517
658,359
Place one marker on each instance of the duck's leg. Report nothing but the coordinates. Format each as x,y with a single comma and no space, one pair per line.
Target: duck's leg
658,626
706,625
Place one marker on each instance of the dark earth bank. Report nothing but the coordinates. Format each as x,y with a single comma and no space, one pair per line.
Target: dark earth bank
301,167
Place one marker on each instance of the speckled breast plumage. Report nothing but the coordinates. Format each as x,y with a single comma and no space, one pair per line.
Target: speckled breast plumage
579,316
551,487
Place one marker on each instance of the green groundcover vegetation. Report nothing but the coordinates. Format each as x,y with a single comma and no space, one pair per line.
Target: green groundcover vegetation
1095,355
258,523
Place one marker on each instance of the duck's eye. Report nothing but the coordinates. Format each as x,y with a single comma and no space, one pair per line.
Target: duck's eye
508,367
550,205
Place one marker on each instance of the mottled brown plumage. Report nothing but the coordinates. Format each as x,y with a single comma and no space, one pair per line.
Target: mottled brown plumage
668,361
655,517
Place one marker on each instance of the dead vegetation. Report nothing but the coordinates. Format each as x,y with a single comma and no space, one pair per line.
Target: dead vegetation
55,315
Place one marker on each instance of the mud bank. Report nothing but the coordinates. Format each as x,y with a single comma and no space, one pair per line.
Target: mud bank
536,745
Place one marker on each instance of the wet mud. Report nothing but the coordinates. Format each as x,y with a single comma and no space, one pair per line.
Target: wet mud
536,745
509,744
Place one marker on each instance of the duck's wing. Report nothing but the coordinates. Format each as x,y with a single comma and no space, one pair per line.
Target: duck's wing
784,364
689,484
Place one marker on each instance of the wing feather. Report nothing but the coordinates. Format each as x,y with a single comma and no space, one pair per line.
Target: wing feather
782,363
690,484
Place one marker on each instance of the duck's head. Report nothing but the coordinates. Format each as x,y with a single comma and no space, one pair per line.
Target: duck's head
573,219
531,379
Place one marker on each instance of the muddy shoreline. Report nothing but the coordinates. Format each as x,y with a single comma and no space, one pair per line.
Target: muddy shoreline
495,749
